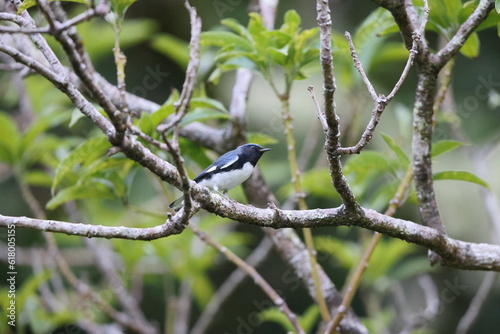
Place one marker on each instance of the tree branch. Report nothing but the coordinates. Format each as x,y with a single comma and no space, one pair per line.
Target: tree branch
99,11
455,253
254,274
466,29
84,71
333,131
62,84
182,105
380,100
228,287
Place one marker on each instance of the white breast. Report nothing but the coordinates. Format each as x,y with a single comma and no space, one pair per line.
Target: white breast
228,180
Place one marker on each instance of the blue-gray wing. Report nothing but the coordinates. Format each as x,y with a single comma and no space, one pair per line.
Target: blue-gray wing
227,161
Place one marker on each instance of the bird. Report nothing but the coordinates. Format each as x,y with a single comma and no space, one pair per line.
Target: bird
229,171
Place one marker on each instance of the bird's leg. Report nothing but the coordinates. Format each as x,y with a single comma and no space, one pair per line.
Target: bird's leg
223,193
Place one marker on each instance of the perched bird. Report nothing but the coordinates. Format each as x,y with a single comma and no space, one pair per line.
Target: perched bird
229,171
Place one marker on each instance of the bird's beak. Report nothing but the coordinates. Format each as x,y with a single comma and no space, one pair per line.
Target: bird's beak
264,149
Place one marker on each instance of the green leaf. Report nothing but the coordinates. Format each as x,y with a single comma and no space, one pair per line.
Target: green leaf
492,20
261,139
172,47
148,122
460,176
497,6
94,190
85,153
277,56
104,165
280,39
258,31
232,55
224,38
389,53
379,22
292,22
10,139
346,252
444,146
121,6
403,158
386,256
273,314
237,28
369,162
30,3
385,192
214,77
309,318
444,16
410,268
202,114
207,103
470,49
76,115
38,178
41,125
316,182
310,55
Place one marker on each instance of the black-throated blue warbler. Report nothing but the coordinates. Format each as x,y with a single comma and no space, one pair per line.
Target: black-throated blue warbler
229,171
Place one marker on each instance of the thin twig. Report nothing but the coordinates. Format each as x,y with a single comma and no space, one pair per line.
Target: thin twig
321,115
136,131
257,278
25,20
187,209
444,85
418,37
82,288
104,259
353,284
60,82
332,135
466,29
182,105
300,199
99,11
381,100
81,68
232,282
359,67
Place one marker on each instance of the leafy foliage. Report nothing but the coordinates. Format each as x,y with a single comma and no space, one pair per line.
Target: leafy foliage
260,49
307,320
87,173
71,160
26,4
445,18
460,176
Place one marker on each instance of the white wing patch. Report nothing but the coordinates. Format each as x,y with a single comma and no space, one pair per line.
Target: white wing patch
230,163
228,180
211,169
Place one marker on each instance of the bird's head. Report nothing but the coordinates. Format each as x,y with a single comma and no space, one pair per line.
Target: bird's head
252,152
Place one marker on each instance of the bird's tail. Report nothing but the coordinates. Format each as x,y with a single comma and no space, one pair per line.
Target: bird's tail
177,204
